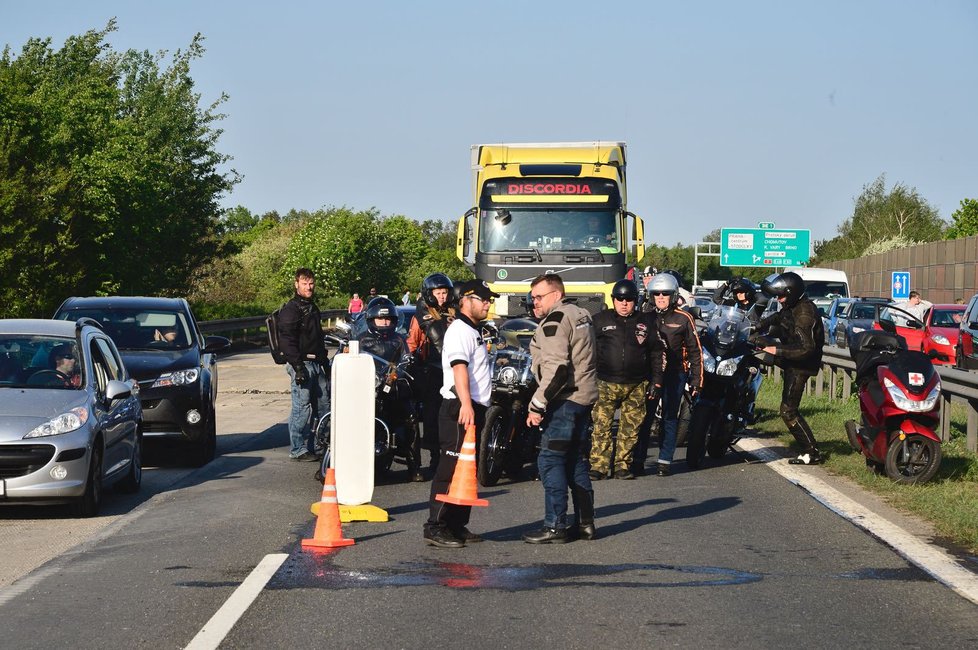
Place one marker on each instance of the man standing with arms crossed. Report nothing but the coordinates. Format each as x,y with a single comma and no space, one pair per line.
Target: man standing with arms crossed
301,338
466,389
563,364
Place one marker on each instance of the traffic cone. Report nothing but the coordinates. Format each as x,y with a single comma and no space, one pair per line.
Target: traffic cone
328,533
464,491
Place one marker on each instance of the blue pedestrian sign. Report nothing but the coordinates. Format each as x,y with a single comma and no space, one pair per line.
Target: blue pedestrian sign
900,285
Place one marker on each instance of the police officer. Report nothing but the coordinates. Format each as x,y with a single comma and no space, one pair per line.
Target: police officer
563,364
625,344
301,340
684,360
466,391
799,354
425,339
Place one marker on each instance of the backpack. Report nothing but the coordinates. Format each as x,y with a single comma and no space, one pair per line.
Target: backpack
271,323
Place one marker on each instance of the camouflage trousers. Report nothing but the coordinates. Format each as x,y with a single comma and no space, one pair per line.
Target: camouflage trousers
630,398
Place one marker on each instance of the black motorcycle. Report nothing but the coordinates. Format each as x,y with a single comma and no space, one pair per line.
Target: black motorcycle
731,378
396,421
506,443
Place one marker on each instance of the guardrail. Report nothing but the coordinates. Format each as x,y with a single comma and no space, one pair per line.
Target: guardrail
233,326
959,386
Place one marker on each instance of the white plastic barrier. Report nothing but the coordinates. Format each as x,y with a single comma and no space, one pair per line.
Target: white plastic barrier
352,426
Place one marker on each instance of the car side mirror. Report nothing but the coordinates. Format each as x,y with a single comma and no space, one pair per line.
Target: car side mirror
216,344
916,325
117,390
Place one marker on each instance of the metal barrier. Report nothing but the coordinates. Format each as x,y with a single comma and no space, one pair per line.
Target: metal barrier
959,386
233,326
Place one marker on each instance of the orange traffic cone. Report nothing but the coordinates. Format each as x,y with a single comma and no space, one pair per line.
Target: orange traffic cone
328,533
463,490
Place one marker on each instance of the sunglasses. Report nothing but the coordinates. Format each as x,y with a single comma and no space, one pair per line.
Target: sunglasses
660,293
623,299
488,301
66,356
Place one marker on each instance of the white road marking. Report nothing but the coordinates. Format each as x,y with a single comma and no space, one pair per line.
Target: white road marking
214,631
934,560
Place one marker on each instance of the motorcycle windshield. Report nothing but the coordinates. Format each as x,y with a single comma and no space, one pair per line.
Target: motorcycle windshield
728,326
516,334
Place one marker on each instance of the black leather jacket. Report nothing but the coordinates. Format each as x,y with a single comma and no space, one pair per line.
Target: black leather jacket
627,348
802,336
683,351
301,332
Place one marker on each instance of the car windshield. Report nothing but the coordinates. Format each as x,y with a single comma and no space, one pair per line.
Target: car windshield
548,230
140,329
839,308
863,311
39,362
946,317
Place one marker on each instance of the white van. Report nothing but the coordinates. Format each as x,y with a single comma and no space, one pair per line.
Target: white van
823,285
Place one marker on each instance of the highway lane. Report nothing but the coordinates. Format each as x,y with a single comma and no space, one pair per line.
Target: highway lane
732,556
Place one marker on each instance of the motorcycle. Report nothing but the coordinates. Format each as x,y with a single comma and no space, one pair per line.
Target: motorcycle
396,422
731,378
505,442
899,399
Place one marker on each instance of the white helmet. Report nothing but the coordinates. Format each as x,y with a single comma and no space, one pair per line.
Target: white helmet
664,283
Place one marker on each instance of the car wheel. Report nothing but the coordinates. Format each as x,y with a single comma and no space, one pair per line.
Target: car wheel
89,503
204,450
134,478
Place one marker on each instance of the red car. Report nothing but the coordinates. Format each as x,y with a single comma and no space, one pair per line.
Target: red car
938,332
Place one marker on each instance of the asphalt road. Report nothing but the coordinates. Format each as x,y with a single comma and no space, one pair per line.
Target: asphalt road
730,556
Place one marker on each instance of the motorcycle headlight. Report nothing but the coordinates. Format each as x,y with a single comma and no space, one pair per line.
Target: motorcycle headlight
709,362
508,375
728,367
177,378
903,403
64,423
940,340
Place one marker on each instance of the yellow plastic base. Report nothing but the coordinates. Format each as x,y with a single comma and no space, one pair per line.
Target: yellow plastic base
365,512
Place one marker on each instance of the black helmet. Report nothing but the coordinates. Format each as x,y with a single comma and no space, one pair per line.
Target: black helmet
432,282
380,308
625,290
790,285
743,285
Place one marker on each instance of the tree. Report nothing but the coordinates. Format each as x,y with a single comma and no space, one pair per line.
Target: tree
964,221
109,175
880,215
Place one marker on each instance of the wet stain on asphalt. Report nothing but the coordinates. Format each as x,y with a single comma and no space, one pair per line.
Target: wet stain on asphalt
905,574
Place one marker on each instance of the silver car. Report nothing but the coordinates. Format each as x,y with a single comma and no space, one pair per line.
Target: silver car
70,419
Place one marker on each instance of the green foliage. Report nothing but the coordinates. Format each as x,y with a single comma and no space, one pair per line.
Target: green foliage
109,174
893,243
964,220
880,215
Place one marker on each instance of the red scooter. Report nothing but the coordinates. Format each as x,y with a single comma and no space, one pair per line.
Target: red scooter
899,394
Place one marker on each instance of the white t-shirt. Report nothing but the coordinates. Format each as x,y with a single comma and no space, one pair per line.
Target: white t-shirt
463,343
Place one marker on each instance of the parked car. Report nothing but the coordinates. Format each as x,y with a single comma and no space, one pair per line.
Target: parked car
175,365
942,326
857,316
70,420
831,317
966,350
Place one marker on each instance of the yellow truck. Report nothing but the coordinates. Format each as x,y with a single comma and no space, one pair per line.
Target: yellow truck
556,207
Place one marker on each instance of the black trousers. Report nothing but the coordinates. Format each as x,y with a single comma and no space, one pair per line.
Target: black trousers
791,392
451,435
432,406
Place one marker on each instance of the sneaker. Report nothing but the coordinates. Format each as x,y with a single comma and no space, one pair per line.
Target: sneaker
305,457
595,475
442,538
467,536
807,459
624,474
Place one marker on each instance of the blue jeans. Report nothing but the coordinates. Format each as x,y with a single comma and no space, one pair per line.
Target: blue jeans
673,385
300,420
562,461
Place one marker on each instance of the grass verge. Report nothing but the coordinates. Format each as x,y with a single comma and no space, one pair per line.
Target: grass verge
949,501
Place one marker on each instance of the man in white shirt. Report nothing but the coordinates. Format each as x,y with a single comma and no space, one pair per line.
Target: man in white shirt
466,392
914,306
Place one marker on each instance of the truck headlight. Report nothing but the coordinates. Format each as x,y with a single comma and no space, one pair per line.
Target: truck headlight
177,378
64,423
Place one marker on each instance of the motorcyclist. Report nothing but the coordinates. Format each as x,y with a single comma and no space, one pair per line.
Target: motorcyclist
798,353
425,338
740,292
382,340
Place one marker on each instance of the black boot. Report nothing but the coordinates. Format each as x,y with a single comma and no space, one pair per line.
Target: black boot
584,512
803,434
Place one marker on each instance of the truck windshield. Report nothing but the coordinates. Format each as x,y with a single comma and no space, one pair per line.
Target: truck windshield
822,289
549,230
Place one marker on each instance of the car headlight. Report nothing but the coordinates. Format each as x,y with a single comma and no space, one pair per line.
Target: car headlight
857,330
911,406
64,423
940,340
728,367
177,378
709,362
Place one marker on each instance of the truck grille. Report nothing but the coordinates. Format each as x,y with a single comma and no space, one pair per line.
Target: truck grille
592,303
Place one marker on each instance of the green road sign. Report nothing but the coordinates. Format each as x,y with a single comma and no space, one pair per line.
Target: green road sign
766,225
757,247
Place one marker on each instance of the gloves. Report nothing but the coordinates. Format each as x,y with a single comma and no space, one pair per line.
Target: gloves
301,374
694,392
653,393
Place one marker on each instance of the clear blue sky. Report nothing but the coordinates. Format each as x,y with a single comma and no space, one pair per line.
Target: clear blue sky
734,112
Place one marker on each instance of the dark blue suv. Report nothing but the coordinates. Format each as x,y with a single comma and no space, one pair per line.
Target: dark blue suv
175,365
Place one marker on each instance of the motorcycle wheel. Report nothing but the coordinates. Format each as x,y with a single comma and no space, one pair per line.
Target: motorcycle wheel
716,446
385,445
699,429
493,447
913,460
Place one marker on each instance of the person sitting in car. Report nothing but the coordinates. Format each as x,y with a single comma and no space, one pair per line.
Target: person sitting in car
63,360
